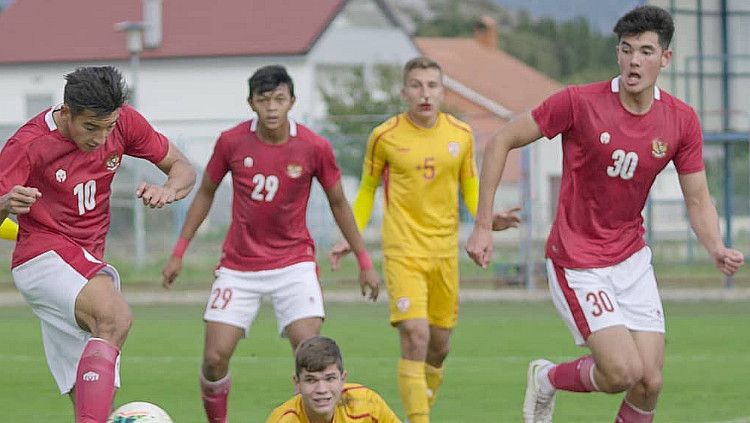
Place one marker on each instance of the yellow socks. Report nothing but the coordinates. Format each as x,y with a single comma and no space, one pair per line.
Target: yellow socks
434,377
412,385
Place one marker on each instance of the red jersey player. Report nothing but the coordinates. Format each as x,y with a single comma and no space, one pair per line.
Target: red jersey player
616,137
56,173
268,249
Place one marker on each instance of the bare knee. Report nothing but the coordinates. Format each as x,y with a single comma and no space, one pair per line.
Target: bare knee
622,376
437,353
113,322
215,363
651,383
414,341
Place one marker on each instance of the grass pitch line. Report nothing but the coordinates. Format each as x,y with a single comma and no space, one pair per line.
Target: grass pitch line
511,359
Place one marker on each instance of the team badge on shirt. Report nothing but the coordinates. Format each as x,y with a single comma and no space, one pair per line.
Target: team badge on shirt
112,163
659,148
403,304
61,175
453,148
248,162
294,170
604,137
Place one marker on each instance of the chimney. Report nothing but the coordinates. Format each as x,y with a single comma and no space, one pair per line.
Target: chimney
485,32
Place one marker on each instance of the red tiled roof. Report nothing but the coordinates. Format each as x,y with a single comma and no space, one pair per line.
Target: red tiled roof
83,30
492,73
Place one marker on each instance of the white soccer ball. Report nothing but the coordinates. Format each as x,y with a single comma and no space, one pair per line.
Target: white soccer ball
139,412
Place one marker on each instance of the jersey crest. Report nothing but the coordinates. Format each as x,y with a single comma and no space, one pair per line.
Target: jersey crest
112,163
453,148
294,170
659,148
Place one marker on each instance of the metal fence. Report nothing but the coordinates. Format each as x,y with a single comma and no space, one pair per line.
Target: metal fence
667,225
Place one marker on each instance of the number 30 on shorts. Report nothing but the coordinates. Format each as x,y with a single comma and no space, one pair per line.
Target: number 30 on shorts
221,298
600,302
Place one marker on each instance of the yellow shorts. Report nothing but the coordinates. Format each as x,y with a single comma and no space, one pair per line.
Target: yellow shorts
423,288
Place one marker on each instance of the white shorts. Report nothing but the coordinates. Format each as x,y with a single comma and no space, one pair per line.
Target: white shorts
294,291
593,299
50,285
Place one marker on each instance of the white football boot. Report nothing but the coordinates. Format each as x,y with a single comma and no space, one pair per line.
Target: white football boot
539,403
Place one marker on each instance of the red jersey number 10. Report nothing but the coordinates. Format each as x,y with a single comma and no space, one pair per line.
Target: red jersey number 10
85,192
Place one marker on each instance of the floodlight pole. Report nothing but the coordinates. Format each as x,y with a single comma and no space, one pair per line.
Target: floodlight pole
148,33
134,33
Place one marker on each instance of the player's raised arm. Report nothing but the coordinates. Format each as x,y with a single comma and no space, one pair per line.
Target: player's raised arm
520,131
180,180
344,217
196,214
705,222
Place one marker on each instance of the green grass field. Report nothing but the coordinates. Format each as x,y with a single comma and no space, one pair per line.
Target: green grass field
706,374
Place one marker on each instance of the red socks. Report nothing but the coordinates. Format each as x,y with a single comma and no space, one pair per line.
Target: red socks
215,395
574,376
630,414
95,381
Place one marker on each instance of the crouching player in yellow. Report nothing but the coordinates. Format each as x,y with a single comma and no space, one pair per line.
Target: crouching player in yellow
324,396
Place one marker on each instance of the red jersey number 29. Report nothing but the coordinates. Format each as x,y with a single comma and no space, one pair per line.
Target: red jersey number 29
221,298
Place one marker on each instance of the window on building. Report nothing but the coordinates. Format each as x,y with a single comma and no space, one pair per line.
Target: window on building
35,103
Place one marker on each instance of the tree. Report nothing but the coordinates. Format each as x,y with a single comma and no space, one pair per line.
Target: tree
355,106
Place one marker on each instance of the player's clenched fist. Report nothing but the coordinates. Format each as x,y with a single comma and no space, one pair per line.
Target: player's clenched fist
479,246
156,196
19,199
729,260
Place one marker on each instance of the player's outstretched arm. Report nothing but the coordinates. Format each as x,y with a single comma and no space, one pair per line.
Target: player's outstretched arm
180,180
362,208
506,219
705,222
520,131
196,214
342,213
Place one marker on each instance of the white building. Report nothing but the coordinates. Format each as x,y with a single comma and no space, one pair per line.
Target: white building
195,83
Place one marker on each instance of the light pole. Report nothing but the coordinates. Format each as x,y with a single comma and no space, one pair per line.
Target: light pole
136,32
134,42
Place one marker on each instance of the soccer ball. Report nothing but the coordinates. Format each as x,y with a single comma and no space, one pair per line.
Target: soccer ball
139,412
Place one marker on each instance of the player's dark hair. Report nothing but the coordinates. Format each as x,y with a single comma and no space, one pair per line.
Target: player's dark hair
421,62
316,354
100,90
268,78
646,18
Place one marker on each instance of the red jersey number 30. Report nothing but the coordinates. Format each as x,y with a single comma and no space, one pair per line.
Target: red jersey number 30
600,302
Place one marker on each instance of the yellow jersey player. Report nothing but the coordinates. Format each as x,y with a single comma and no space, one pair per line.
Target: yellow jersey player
423,157
324,396
8,229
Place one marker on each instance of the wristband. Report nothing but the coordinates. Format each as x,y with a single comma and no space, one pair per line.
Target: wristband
365,263
180,247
